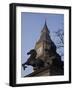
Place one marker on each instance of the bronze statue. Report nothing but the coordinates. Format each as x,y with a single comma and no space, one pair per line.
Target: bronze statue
56,68
36,63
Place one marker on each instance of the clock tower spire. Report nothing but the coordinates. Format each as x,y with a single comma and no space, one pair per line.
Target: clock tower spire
44,44
45,33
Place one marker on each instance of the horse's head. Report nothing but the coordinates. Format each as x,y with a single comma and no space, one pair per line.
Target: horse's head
32,53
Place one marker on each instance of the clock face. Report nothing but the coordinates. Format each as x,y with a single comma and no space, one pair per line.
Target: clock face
39,51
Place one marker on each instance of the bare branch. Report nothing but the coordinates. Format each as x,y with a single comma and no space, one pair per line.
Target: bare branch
59,46
60,41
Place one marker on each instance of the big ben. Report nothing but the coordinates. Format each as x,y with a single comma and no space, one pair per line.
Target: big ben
43,44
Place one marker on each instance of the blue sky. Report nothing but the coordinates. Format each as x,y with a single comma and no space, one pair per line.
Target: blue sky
31,26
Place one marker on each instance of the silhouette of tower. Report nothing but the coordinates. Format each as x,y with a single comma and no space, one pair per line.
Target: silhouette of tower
44,46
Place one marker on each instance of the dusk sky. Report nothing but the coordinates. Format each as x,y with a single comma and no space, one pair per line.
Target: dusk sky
31,26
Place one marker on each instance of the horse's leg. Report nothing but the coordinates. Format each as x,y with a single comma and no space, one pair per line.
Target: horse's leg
24,66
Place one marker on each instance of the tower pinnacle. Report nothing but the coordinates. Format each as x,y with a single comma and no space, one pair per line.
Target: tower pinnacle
45,28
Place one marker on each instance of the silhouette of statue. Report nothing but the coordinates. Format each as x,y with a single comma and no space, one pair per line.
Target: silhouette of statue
56,68
37,63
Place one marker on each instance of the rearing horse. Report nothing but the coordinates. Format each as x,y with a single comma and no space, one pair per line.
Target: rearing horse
37,63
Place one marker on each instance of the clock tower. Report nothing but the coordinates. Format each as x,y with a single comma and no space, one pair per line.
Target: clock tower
44,45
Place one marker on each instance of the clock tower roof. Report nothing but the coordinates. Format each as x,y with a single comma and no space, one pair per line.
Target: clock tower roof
45,28
44,34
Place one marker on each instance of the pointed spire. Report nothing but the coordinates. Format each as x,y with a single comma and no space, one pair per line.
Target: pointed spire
45,33
45,28
45,22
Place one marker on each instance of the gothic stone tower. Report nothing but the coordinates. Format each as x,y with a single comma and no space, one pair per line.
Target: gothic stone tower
44,46
46,51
